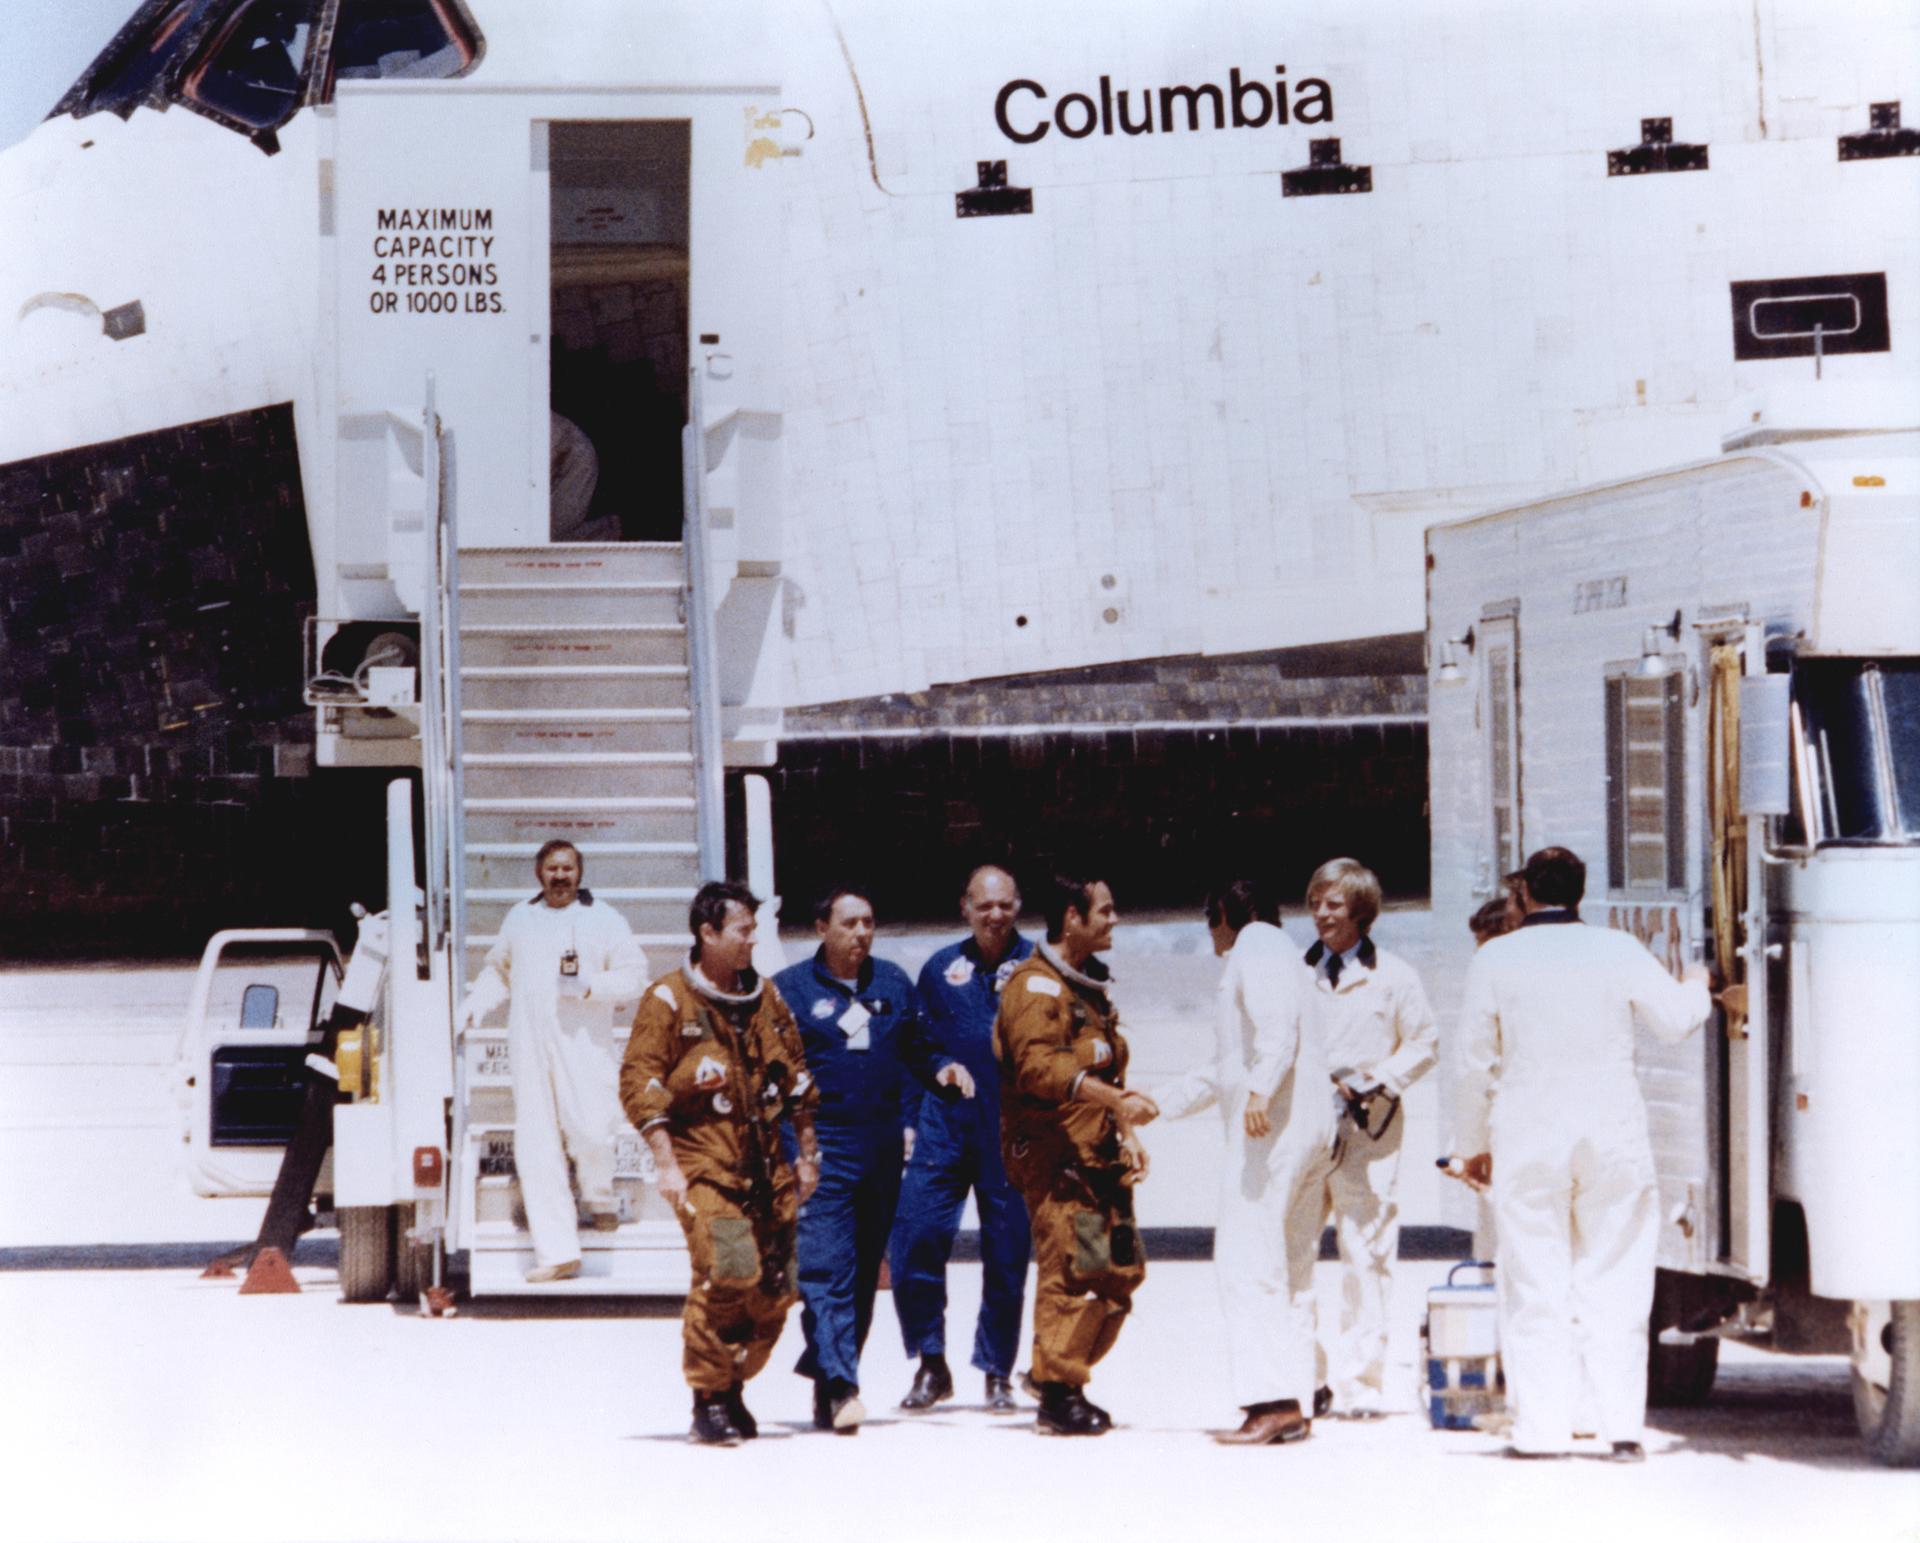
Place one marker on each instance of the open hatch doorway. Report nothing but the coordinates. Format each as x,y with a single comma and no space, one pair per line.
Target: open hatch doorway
619,196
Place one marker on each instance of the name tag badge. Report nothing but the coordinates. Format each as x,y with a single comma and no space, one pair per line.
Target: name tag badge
854,1024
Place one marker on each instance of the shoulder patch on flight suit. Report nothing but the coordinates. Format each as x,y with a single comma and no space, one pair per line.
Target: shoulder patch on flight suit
1043,985
823,1008
960,971
665,994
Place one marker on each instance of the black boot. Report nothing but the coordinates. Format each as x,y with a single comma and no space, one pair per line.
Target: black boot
712,1425
822,1404
1000,1395
1065,1411
739,1413
1322,1401
931,1384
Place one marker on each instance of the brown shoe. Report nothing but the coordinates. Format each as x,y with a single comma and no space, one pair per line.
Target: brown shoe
1269,1425
542,1274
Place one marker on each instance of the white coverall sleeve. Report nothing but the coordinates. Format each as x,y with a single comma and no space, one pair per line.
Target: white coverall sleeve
1418,1035
624,977
1186,1094
1671,1009
1479,1059
491,986
1272,999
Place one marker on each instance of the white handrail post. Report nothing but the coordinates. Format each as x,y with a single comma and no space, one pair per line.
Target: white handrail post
703,673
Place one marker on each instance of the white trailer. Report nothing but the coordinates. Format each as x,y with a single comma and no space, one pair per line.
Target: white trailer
1706,681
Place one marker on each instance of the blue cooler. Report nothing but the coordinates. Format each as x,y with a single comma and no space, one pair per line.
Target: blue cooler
1462,1339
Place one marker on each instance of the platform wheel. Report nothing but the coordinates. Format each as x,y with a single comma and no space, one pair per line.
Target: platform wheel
366,1252
1886,1380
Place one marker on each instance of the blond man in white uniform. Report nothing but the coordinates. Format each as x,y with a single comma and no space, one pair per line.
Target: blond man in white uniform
1268,1079
1551,1113
562,962
1379,1038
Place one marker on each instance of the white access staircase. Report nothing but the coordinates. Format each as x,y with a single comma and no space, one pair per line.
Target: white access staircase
577,720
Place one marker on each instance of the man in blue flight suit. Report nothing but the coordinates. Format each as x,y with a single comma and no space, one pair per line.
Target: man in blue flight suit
860,1024
956,1148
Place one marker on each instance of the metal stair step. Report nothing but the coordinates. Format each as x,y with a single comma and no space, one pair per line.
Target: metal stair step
575,564
564,732
647,773
578,819
582,687
611,643
535,604
503,864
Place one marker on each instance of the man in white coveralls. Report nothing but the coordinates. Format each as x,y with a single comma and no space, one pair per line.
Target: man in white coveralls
561,962
1552,1114
1269,1080
1379,1037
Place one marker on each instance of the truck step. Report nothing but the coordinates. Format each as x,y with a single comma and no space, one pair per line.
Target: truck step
604,1272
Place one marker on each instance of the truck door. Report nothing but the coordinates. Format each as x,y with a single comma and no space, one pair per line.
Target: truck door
1739,944
257,1005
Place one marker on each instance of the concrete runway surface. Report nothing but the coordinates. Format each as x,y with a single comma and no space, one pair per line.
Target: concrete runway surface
152,1405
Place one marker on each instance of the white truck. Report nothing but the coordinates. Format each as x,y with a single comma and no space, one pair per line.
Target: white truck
1706,681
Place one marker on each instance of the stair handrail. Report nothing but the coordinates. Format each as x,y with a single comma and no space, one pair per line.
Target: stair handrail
439,716
703,664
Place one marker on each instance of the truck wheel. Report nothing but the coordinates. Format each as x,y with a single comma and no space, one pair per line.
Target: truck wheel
366,1252
1889,1413
413,1262
1679,1376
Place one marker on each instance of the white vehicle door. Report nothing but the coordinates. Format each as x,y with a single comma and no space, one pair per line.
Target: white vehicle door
258,1002
1739,943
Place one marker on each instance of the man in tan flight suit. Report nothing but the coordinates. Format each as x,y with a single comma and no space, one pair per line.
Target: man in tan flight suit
713,1064
1067,1133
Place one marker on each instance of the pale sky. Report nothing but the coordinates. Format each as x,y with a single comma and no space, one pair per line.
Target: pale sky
44,45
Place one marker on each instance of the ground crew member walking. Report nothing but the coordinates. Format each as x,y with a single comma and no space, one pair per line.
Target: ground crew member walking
1547,1025
713,1065
1379,1037
1268,1078
956,1148
1067,1132
860,1023
561,963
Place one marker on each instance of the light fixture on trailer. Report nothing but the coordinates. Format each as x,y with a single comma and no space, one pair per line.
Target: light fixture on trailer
1450,673
1653,662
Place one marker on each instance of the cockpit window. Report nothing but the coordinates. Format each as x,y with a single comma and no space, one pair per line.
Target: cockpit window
255,69
401,39
137,59
248,64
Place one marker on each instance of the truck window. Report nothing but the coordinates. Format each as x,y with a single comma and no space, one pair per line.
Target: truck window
1646,781
1861,725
